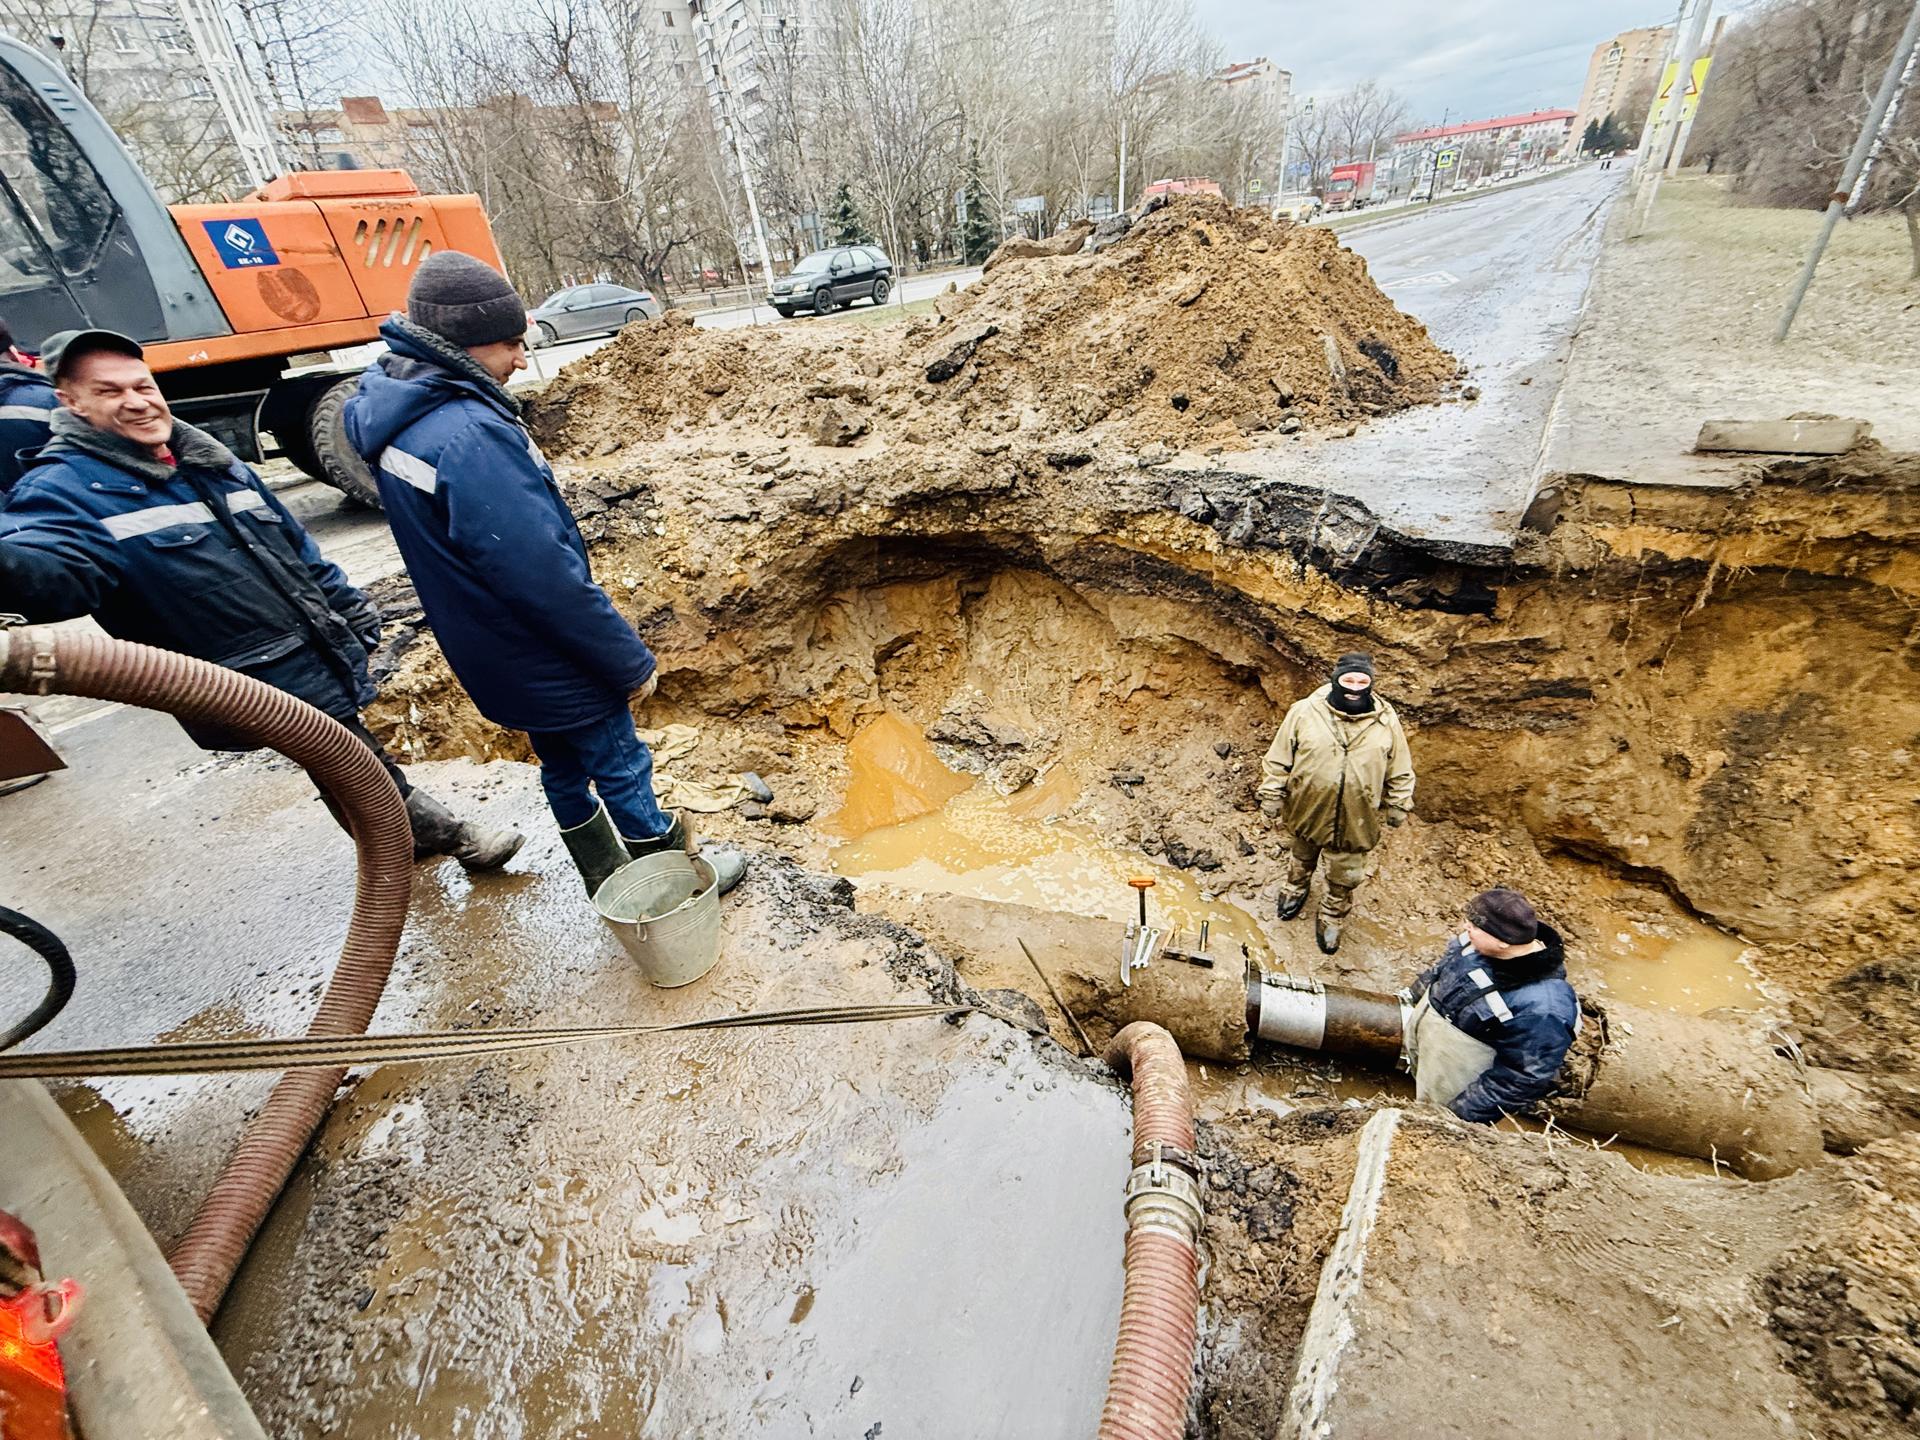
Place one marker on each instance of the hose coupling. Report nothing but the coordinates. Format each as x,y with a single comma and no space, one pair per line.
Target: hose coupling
1162,1196
39,645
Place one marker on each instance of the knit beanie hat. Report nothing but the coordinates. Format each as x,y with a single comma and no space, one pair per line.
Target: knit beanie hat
1504,914
465,300
1355,664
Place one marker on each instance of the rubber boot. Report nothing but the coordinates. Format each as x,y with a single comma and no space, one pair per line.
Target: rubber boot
1335,906
674,839
437,832
1294,887
729,865
596,849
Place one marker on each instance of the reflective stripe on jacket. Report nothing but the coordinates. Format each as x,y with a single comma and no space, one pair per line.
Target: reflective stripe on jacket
1523,1008
151,558
491,547
27,403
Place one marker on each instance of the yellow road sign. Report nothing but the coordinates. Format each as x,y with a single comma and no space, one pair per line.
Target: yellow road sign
1696,82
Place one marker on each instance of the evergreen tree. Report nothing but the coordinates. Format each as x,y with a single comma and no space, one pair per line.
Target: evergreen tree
844,226
977,237
1590,137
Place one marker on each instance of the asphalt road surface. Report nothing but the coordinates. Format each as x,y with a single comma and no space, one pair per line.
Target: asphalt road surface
1497,279
1500,280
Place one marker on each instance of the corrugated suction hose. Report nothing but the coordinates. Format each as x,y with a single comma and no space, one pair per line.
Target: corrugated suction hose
1152,1375
44,661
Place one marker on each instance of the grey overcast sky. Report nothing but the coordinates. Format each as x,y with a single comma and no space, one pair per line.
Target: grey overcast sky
1476,58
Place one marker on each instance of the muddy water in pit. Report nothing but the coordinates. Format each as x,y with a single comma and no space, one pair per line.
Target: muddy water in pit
914,823
964,838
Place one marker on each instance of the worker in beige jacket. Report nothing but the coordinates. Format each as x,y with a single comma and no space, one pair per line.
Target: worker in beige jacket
1337,769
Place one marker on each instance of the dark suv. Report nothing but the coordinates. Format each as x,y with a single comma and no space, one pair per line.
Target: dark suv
828,279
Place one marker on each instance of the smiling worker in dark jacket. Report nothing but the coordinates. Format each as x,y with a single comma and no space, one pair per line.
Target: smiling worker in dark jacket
152,527
499,564
1495,1018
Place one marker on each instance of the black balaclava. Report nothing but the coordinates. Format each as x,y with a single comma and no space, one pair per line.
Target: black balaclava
1351,702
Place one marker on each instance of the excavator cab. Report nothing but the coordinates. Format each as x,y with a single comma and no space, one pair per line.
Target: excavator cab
84,240
240,304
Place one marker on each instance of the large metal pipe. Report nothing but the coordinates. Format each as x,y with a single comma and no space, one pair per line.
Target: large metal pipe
44,661
1674,1082
1152,1373
1309,1015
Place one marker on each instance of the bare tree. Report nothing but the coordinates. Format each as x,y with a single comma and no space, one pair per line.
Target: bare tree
1362,122
1790,89
302,53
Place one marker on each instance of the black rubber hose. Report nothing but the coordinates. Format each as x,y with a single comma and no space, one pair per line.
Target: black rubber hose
44,943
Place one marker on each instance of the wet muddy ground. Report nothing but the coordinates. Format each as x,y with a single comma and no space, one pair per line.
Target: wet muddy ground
776,1232
1023,674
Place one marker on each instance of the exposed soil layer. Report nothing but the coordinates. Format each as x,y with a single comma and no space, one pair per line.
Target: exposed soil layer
1684,1296
1663,703
1203,323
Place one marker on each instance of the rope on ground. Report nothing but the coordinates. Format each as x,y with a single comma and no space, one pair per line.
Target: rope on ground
198,1057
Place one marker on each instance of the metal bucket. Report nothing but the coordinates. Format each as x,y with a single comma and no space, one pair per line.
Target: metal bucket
665,909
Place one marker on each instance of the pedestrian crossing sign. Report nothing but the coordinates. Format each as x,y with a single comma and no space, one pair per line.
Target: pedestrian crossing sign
1445,159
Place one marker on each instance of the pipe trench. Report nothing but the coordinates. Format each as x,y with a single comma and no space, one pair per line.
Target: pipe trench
1681,1083
44,661
1152,1375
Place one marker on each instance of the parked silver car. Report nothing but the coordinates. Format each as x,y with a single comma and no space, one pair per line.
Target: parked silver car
587,310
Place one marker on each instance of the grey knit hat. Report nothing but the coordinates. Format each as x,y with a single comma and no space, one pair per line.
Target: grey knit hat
465,300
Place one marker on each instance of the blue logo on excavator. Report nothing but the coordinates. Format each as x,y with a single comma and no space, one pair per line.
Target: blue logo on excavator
241,244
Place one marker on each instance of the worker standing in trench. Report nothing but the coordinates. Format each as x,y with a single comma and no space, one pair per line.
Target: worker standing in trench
155,529
1338,770
1493,1021
499,565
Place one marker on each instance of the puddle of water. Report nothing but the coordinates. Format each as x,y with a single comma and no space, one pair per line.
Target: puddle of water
914,823
892,776
977,845
1678,964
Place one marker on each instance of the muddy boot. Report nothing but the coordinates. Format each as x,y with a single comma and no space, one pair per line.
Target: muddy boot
1335,906
437,832
729,866
596,850
1294,887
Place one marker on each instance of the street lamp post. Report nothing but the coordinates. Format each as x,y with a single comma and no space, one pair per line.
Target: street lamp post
717,50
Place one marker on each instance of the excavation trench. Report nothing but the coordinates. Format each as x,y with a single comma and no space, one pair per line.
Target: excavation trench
1688,734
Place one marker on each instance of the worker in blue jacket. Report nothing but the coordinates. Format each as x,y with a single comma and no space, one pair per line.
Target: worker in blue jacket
152,527
499,565
27,403
1493,1021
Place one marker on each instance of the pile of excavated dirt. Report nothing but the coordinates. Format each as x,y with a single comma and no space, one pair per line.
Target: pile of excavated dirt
1201,324
1655,710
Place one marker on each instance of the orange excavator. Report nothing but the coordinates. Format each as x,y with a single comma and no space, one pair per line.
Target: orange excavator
238,305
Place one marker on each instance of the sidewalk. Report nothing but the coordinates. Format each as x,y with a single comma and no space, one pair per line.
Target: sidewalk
1679,330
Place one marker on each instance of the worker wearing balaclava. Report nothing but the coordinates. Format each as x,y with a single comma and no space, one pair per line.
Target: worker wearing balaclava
1337,770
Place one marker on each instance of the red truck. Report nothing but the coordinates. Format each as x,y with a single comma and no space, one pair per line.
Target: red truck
1350,186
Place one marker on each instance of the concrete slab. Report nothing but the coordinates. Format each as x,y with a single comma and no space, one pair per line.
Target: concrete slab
1605,1302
